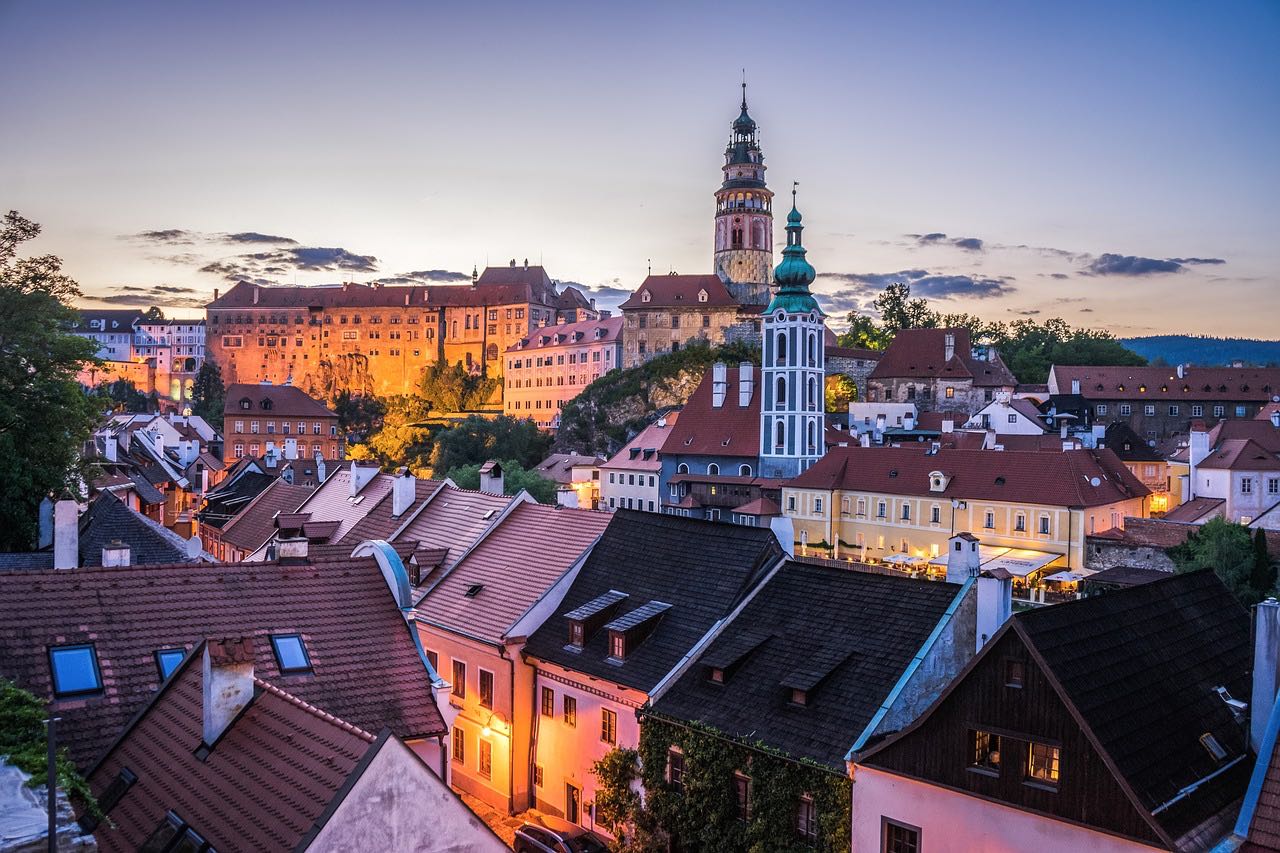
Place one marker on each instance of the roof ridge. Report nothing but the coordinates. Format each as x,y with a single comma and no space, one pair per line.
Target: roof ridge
314,711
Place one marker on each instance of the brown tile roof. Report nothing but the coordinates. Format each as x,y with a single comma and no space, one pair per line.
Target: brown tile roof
1241,454
351,295
534,276
264,785
1258,430
643,453
558,467
453,519
514,565
730,430
372,677
1047,479
333,501
679,291
1194,509
759,506
286,401
571,334
379,523
920,354
250,528
1162,383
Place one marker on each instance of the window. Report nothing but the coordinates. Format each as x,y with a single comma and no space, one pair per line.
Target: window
537,775
1020,523
291,653
984,752
817,506
951,393
1044,525
617,645
1101,409
675,769
742,788
460,679
1273,485
1197,411
1126,409
486,689
989,522
167,661
608,726
881,509
548,702
1173,411
75,670
1042,763
899,837
807,820
1246,485
459,745
935,515
906,512
486,759
1015,672
570,711
1219,411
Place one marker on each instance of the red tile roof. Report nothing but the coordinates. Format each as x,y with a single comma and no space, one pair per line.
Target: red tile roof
333,501
730,430
286,401
515,274
1147,532
1047,479
558,467
679,291
453,519
1194,509
1162,383
921,354
250,528
1260,431
514,565
263,786
379,523
1241,454
571,334
651,438
350,295
372,677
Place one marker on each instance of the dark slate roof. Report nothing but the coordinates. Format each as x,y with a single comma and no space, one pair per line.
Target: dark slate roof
256,523
1140,666
845,636
1128,445
701,568
108,518
1125,576
224,502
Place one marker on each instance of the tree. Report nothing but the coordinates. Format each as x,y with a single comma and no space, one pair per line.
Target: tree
358,415
24,744
1228,550
45,417
208,395
122,396
863,333
619,808
405,438
514,478
476,440
153,315
453,388
841,391
899,311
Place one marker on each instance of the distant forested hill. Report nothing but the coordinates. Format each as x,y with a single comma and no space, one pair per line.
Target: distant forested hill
1206,352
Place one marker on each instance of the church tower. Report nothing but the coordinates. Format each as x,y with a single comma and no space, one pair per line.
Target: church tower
792,428
744,216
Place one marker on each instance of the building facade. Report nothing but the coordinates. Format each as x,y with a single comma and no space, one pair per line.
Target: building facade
260,418
939,370
552,365
670,312
744,216
630,479
160,356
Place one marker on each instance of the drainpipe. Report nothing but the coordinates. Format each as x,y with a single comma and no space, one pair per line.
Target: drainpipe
511,736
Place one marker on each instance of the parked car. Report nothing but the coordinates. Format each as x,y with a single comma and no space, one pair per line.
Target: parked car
557,837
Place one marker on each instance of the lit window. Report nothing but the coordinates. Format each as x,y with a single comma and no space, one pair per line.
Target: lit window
486,689
291,654
570,711
75,670
608,726
617,645
984,751
459,745
485,765
1042,763
167,661
742,788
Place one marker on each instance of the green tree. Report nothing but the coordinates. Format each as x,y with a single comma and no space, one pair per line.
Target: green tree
841,391
406,436
899,311
514,478
863,333
453,388
1228,550
153,315
208,394
358,416
619,808
122,396
24,742
44,415
476,440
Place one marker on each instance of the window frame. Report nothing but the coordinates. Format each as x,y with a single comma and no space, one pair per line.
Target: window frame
308,666
887,824
569,710
459,745
486,701
459,678
609,726
159,656
1053,772
53,670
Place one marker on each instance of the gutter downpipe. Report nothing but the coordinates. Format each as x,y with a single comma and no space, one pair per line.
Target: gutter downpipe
1253,793
911,670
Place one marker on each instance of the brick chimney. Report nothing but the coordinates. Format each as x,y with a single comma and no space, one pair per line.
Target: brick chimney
228,683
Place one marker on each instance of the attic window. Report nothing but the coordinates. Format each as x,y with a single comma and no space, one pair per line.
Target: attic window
246,404
1210,743
291,653
167,661
75,670
999,481
799,697
577,634
1015,673
702,296
645,297
266,403
715,675
474,590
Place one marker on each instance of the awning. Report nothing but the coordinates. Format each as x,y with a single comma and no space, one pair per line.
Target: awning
1068,577
1021,562
898,558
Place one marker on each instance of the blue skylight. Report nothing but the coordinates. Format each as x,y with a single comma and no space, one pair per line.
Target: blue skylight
291,654
75,670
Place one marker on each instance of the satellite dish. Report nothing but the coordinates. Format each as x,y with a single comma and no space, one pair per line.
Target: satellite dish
1095,482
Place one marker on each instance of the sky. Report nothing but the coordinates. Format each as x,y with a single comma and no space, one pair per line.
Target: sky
1113,164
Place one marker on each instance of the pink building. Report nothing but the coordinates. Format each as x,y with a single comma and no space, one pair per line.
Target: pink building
553,364
630,480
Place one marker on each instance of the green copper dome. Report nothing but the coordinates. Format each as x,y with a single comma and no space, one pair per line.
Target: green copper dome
794,275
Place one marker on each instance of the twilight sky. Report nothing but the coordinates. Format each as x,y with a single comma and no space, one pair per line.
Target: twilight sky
1116,164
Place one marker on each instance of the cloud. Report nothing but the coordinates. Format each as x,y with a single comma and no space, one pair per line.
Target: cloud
1068,299
877,281
425,277
1130,265
318,259
160,295
950,286
255,237
936,238
973,244
1086,310
841,302
1058,275
172,236
1027,313
1198,260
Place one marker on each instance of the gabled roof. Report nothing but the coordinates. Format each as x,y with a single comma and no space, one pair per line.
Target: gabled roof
108,519
558,467
701,568
643,453
250,529
577,334
453,519
846,637
514,565
1128,445
921,354
1241,454
1046,479
372,677
1196,509
333,501
679,291
282,401
231,496
379,523
1154,384
1259,430
727,430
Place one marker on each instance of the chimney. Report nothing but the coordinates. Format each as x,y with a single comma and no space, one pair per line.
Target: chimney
1266,668
291,448
1196,452
402,492
909,422
228,684
491,480
215,294
292,551
526,263
948,346
319,468
948,424
255,294
995,604
115,553
865,439
66,533
270,456
1075,386
719,384
1182,371
1062,431
746,383
1275,419
111,448
963,558
360,476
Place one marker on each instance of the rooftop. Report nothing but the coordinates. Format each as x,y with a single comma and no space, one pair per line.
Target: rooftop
727,430
680,291
643,452
1143,384
571,334
921,354
265,401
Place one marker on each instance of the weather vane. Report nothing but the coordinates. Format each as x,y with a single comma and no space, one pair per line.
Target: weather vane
794,186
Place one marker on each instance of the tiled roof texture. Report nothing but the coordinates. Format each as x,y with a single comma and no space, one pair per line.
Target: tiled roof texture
1141,667
920,354
1128,445
521,274
1241,454
558,467
1162,383
1147,532
856,630
1194,509
1028,410
333,502
230,497
453,519
679,291
372,677
653,437
1259,430
730,430
287,401
1264,828
117,320
254,525
566,335
262,787
515,564
108,518
379,523
1046,479
701,568
1126,576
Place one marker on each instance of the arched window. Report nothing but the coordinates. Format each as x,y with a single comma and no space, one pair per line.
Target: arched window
813,437
713,470
779,436
813,350
780,352
780,394
744,470
682,468
813,394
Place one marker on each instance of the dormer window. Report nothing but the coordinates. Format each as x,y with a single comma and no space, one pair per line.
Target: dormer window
716,675
617,645
246,404
799,697
577,636
645,296
266,403
702,296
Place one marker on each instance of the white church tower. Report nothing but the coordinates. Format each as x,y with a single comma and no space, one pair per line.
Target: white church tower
792,428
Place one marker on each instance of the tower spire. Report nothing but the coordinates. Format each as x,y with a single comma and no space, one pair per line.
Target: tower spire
744,90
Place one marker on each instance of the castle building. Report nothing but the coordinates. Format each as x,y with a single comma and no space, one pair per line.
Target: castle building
744,216
554,364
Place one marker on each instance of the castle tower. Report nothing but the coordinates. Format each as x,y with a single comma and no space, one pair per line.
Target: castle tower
792,435
744,216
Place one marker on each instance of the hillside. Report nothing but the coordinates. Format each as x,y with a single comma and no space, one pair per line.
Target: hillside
616,406
1205,351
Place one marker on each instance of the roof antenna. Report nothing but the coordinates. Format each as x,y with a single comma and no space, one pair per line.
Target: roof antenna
744,90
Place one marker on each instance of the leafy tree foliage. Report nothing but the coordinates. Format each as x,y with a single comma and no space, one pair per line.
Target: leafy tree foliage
24,741
899,311
476,440
123,396
619,808
863,333
208,395
153,315
1263,578
358,415
1229,551
841,391
453,388
405,437
514,478
44,415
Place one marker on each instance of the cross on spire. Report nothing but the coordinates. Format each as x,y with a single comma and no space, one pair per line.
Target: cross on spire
794,185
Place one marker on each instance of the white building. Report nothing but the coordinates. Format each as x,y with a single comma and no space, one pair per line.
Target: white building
630,480
1007,416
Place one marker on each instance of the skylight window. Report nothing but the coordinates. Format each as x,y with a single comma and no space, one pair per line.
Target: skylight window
488,514
474,590
1210,743
75,670
167,661
291,653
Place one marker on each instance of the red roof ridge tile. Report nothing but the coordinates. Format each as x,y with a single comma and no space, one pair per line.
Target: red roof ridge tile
313,710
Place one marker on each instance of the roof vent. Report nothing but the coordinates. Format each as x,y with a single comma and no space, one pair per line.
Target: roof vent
1095,482
474,590
1211,745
